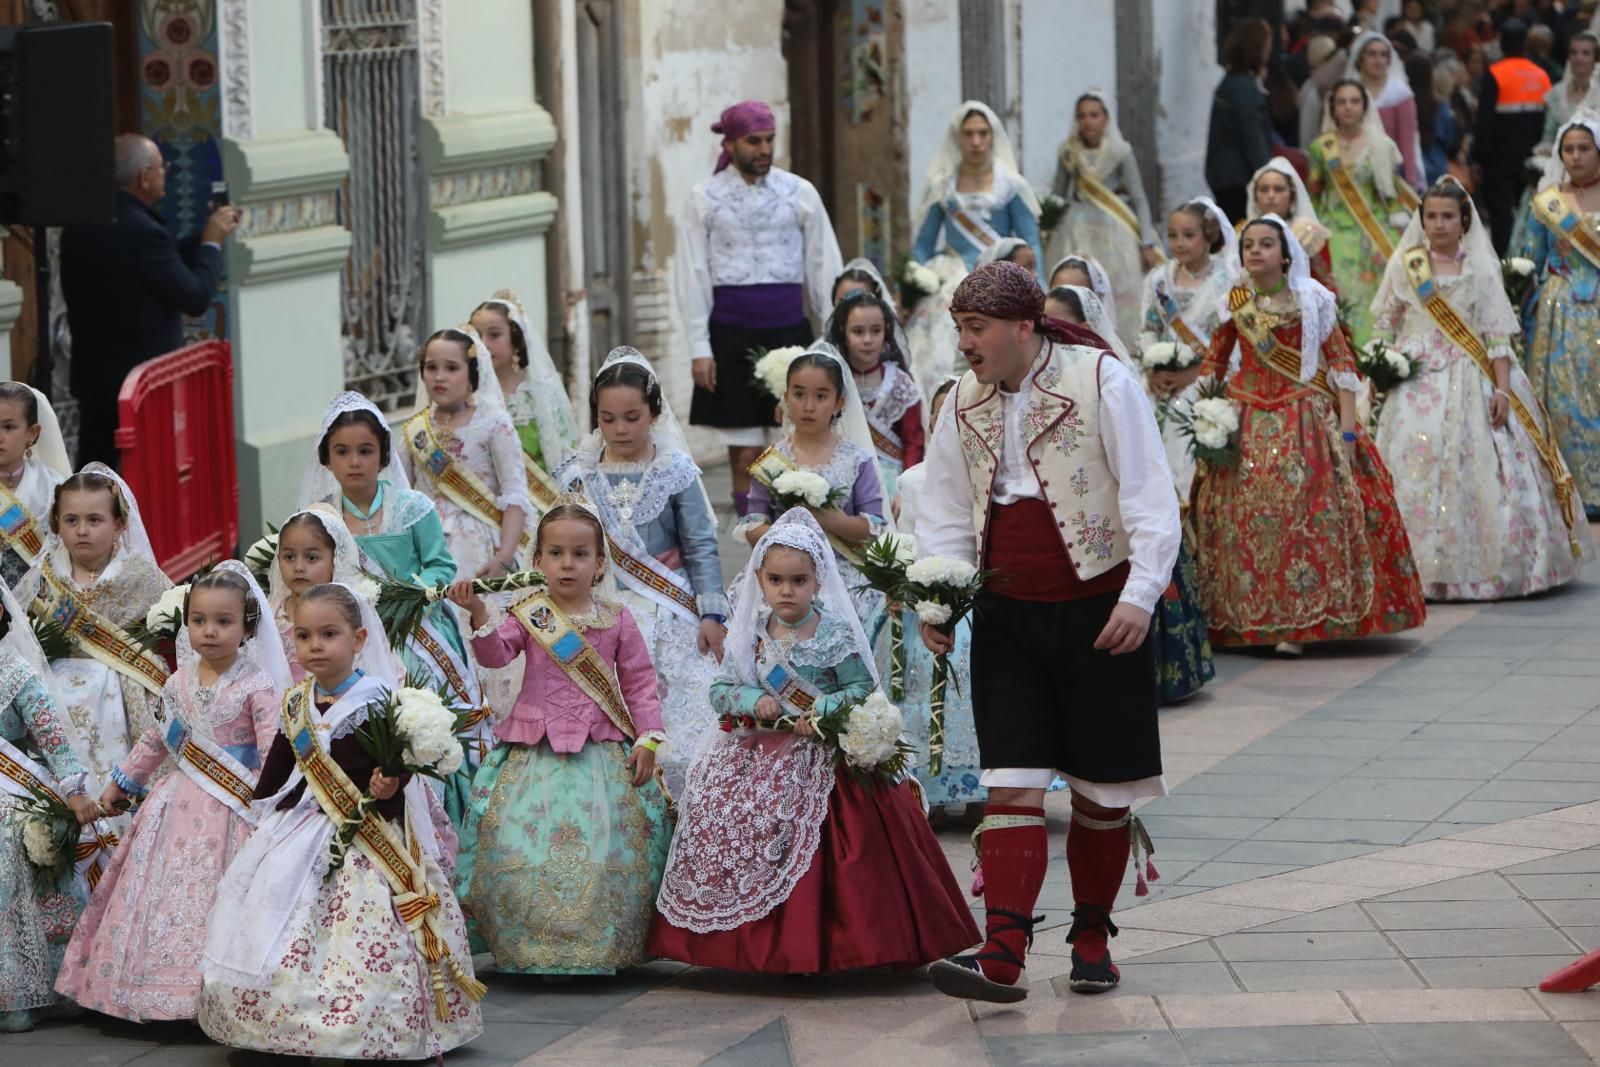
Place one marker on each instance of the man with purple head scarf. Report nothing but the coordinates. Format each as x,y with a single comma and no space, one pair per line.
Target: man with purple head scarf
754,246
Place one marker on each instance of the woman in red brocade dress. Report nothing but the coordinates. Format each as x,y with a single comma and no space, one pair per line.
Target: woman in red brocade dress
1301,541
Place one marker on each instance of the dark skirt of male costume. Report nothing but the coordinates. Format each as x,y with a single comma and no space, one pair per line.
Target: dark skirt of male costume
741,324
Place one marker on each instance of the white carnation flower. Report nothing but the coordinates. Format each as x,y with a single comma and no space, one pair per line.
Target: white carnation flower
773,368
872,731
170,603
1215,411
36,841
941,570
427,726
1520,265
366,588
932,612
924,278
905,549
809,486
1209,435
1159,355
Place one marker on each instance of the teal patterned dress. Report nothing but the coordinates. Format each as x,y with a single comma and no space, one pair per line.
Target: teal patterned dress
34,927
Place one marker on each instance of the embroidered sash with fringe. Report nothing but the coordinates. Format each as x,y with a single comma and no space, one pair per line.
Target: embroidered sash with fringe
464,488
99,637
1273,353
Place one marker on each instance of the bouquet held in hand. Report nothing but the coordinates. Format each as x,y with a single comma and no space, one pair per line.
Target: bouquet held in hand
883,564
1212,426
942,590
1168,356
401,605
865,735
1383,366
803,489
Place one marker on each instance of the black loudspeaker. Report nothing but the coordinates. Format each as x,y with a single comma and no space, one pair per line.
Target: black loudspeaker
57,120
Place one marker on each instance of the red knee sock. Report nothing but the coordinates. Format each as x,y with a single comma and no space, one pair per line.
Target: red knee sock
1096,859
1013,861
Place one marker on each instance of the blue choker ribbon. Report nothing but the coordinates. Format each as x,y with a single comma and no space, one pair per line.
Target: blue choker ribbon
377,503
343,687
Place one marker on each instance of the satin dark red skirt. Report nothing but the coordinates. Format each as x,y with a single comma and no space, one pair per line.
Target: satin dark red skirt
879,893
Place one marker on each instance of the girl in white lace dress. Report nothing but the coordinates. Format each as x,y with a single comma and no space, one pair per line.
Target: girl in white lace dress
636,469
462,452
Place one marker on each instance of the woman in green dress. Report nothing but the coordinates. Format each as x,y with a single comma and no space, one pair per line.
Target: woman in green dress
1359,199
400,537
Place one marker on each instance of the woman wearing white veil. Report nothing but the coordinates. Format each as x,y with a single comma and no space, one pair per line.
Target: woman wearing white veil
1562,317
1360,198
826,433
661,533
1107,212
1300,540
34,919
535,395
1276,189
398,534
1082,269
782,862
108,689
1476,469
28,479
1374,64
973,194
135,953
291,936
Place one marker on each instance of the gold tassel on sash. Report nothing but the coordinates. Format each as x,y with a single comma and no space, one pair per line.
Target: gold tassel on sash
1419,272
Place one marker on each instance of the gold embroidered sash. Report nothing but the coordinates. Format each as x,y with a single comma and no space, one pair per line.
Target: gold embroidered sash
1419,272
464,488
639,571
414,900
210,767
18,528
25,779
780,679
99,637
576,657
766,469
1100,194
1174,318
1357,204
541,487
1273,353
886,444
1551,207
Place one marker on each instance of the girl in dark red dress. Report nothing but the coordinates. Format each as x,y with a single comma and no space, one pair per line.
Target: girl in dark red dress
782,862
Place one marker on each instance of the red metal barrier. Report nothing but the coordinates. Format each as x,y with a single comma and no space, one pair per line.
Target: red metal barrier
175,433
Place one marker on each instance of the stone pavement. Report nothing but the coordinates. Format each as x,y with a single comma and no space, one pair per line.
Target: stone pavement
1370,855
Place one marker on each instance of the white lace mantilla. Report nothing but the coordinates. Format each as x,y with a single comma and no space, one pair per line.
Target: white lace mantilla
749,826
831,645
208,707
641,491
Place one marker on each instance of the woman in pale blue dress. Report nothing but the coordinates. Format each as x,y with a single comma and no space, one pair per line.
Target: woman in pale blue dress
1000,202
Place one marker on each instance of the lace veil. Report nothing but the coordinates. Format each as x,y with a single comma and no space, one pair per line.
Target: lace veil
1113,148
852,425
265,648
1382,154
318,483
1099,280
346,554
796,528
1318,314
552,408
1095,317
1493,315
886,294
1305,209
1555,171
947,161
51,448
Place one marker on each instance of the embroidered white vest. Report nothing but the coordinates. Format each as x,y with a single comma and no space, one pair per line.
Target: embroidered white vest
753,231
1062,425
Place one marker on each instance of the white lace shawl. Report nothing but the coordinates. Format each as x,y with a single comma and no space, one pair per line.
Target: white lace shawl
939,181
317,482
1319,315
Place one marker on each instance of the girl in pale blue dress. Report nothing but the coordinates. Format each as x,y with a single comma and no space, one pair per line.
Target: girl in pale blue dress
972,221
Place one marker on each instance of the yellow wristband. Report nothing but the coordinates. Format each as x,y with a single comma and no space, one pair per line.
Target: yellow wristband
650,744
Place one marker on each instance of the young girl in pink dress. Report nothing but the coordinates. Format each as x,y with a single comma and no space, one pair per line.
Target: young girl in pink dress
567,833
136,951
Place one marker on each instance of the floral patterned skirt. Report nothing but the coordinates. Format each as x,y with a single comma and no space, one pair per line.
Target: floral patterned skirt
1183,647
561,858
352,982
1296,543
1563,363
1480,509
34,931
136,952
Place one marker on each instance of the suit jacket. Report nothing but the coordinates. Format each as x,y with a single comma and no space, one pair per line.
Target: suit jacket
128,286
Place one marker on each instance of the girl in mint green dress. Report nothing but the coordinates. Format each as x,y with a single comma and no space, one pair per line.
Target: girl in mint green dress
400,537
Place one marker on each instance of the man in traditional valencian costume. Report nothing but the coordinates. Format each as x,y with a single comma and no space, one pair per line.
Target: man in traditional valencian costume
1052,475
755,246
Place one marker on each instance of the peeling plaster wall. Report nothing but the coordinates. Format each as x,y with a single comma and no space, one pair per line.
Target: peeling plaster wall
1065,50
1188,70
932,83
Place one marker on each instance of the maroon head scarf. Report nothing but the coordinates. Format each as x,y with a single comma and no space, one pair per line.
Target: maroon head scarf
741,120
1006,290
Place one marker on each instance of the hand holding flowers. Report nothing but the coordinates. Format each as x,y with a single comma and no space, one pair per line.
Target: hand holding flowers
865,735
1383,366
943,590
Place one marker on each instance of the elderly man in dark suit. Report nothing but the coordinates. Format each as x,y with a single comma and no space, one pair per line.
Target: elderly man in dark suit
128,286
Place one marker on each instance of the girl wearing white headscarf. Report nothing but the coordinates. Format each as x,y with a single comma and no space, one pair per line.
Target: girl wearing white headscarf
1107,213
782,862
636,469
398,534
827,435
32,915
108,699
1475,468
1374,64
28,477
1365,214
1080,268
1276,189
1300,540
135,952
535,396
1563,318
973,194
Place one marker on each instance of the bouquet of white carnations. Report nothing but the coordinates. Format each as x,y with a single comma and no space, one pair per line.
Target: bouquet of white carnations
49,832
865,735
883,564
1383,366
1516,273
1210,424
1168,356
1052,209
401,605
772,368
916,282
803,489
942,590
411,731
158,632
